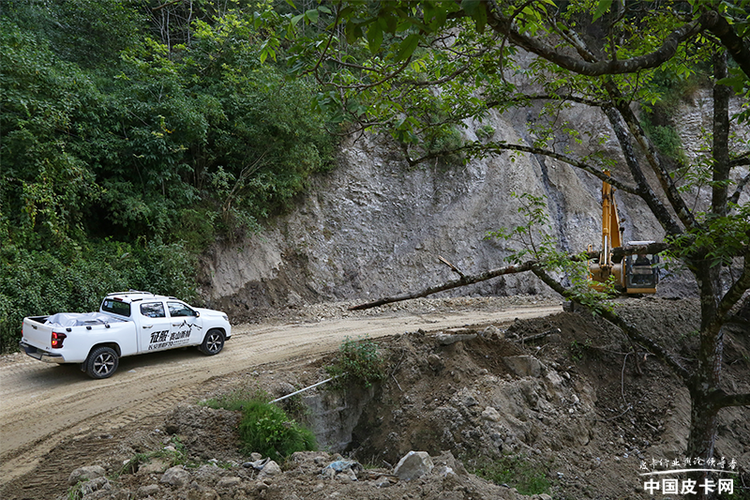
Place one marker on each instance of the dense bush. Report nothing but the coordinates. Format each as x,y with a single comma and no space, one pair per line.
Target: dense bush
358,362
42,282
267,430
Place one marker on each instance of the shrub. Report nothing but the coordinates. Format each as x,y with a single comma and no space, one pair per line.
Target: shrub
358,362
266,429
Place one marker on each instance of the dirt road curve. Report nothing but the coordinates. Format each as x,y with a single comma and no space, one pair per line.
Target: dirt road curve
42,404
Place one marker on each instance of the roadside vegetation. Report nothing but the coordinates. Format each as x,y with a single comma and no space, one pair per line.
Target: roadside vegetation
131,141
265,428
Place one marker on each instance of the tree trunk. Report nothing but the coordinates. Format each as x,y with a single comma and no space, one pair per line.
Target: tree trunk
706,378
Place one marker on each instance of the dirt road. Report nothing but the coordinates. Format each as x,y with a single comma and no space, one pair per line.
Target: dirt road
43,404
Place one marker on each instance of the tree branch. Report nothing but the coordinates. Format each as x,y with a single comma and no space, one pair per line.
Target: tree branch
644,190
463,281
719,26
504,25
498,147
630,330
740,186
724,400
735,292
617,253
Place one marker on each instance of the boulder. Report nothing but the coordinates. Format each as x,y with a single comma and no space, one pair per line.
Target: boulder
270,469
524,366
413,465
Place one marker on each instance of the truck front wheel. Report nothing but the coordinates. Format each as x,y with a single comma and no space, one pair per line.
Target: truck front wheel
213,343
102,362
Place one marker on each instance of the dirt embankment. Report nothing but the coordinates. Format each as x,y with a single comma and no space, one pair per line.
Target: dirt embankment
577,411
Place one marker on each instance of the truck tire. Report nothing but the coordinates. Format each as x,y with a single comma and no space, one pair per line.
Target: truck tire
102,362
213,343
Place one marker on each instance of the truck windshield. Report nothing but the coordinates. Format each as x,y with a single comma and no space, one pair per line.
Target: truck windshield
116,307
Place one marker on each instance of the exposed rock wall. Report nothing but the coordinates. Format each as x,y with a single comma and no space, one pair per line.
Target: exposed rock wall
375,226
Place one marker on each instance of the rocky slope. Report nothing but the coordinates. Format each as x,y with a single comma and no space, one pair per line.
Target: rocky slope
375,226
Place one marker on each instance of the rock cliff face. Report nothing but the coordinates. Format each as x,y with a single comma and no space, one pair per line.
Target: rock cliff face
375,226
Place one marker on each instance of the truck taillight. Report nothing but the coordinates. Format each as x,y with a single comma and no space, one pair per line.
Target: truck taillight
57,339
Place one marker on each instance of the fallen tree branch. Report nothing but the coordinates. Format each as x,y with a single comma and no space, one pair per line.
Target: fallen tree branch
463,281
630,330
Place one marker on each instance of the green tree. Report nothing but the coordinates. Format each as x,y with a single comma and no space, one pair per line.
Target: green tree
418,69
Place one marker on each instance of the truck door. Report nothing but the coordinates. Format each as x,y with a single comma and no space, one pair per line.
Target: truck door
156,328
186,324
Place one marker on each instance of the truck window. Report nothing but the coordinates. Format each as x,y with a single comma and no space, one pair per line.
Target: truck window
153,310
178,309
116,307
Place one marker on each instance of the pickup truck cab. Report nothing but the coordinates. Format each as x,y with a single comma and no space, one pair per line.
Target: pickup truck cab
127,323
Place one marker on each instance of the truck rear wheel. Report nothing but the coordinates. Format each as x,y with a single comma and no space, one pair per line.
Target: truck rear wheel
213,343
102,362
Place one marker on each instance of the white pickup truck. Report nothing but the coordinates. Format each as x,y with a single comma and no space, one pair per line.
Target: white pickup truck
127,323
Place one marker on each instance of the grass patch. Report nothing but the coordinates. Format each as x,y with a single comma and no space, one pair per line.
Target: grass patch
516,471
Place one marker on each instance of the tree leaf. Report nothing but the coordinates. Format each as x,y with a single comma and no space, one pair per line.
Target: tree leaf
470,6
312,16
374,37
603,7
408,45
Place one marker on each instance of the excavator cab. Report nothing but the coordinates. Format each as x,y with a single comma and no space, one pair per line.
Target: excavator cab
641,271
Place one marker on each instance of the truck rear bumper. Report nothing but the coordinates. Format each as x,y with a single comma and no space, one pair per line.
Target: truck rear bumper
41,354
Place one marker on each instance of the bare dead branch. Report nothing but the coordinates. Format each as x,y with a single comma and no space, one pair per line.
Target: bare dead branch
465,280
453,268
160,7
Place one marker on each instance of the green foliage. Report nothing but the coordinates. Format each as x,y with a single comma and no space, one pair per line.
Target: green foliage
124,156
267,430
235,400
516,471
45,282
358,362
537,244
578,351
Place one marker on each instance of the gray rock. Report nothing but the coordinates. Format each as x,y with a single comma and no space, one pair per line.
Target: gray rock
524,366
452,338
491,414
148,490
228,482
86,474
270,469
176,476
99,483
413,465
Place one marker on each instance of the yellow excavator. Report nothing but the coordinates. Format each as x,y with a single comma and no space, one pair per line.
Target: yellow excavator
635,274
